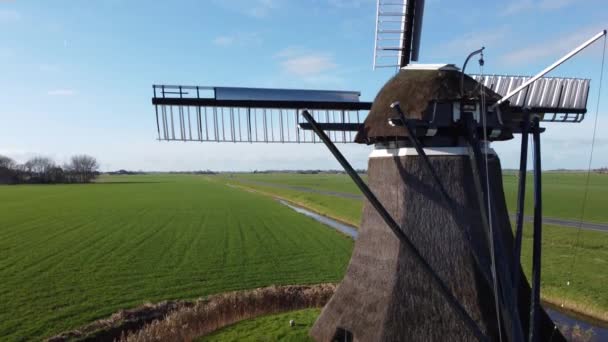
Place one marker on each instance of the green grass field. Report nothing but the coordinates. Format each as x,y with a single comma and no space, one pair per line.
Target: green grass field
587,275
345,209
320,181
70,254
562,193
269,328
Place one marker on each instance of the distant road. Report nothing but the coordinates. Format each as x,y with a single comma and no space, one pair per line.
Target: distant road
602,227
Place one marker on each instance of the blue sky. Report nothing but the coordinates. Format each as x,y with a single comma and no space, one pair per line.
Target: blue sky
77,75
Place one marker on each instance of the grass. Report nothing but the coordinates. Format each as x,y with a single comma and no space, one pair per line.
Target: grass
347,210
320,181
269,328
70,254
575,277
563,193
562,197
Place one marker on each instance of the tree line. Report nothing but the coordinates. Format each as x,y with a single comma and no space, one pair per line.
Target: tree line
43,170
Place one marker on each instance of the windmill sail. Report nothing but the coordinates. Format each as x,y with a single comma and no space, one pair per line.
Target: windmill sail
559,99
253,115
398,32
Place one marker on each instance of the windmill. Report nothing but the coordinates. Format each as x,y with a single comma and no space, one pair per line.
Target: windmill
436,258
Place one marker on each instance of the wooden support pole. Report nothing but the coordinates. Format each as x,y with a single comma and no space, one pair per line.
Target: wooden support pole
536,249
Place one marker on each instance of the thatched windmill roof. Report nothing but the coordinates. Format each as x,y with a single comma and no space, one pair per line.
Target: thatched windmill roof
415,89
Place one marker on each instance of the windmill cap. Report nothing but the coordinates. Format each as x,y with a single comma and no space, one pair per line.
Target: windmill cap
414,90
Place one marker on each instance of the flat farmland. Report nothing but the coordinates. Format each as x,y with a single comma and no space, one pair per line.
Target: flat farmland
320,181
344,209
563,192
70,254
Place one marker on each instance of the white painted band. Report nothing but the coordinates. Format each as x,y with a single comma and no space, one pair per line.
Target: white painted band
430,151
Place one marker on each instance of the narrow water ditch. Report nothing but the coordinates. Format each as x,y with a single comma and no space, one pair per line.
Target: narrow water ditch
339,226
560,317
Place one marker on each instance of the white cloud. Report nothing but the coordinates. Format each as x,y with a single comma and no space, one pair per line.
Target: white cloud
519,6
261,8
9,16
253,8
462,45
298,62
349,3
476,40
61,92
237,39
550,48
556,4
223,40
308,65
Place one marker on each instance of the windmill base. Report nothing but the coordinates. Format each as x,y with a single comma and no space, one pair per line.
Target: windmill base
386,295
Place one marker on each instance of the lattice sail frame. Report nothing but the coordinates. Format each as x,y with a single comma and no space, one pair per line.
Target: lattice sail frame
254,115
253,125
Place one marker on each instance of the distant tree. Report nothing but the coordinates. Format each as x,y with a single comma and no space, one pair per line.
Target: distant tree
8,174
20,174
56,175
38,169
6,162
83,167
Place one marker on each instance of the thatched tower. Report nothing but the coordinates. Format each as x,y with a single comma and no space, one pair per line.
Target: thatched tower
385,295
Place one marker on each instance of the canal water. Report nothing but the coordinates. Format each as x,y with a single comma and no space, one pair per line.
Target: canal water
346,229
561,318
570,319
